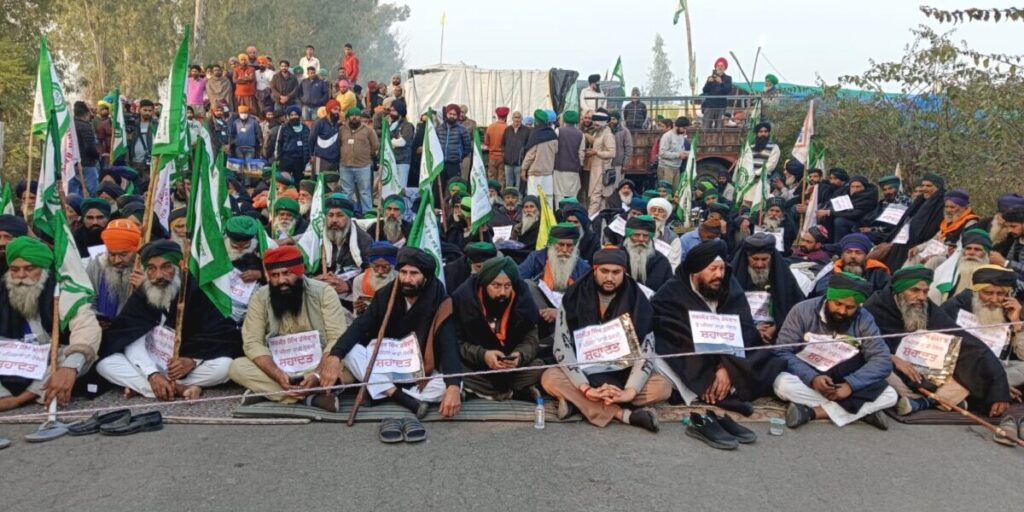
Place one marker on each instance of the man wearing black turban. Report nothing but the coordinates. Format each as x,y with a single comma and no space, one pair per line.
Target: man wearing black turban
704,283
614,389
496,323
474,254
421,309
903,306
766,279
921,221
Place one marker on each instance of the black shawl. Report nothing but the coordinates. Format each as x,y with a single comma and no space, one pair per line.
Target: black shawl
924,217
751,376
457,272
977,368
782,286
472,326
205,333
583,306
659,270
13,326
540,135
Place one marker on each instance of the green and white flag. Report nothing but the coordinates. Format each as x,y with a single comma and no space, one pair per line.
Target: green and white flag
945,277
481,209
425,234
617,73
684,192
48,199
802,146
118,146
389,184
208,258
6,203
679,12
432,162
312,240
743,174
171,131
73,282
49,95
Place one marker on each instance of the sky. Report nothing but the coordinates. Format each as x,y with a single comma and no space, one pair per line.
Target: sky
800,40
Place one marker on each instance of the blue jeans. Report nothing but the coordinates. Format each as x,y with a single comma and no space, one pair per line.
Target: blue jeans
92,179
358,177
403,175
512,175
309,113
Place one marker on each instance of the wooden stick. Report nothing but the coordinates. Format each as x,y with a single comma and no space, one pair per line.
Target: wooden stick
373,356
969,415
180,314
147,222
28,182
81,179
54,344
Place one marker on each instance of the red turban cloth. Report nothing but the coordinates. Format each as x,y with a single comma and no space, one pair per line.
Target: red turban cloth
286,256
502,112
721,60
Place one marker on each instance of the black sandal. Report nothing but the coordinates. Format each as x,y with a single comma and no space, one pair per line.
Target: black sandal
413,431
390,431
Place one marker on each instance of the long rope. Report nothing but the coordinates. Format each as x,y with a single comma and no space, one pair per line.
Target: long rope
413,380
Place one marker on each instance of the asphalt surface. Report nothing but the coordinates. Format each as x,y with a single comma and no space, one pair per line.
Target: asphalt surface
511,466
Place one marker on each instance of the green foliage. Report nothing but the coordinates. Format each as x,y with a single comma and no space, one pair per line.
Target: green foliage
660,79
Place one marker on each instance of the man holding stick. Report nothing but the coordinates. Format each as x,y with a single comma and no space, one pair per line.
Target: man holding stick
27,314
419,310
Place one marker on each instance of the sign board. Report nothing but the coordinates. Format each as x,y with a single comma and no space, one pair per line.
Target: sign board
714,333
296,353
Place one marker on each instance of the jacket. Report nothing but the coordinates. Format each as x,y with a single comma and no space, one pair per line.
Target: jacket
314,93
292,145
540,159
401,141
455,142
245,133
321,312
604,145
513,143
717,89
494,138
623,146
323,139
571,149
87,143
282,85
357,146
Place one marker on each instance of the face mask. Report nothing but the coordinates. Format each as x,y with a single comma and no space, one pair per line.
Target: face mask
293,122
243,116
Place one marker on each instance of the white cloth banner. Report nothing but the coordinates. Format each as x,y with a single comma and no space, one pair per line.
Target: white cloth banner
26,360
712,332
398,356
663,247
295,353
160,346
555,298
903,236
825,356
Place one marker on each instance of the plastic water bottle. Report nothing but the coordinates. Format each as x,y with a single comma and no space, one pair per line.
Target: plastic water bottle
538,421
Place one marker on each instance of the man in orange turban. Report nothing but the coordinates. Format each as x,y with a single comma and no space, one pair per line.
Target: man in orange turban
111,271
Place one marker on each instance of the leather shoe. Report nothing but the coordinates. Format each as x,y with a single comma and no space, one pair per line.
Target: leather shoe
92,425
711,432
742,434
145,422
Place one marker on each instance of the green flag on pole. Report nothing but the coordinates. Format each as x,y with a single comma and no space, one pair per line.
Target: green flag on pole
312,240
208,258
72,280
171,131
617,73
679,12
389,184
48,198
432,162
480,213
425,234
684,192
118,146
6,203
49,96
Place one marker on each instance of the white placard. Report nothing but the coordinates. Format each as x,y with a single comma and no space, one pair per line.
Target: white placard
930,249
604,343
927,349
892,214
96,250
398,356
903,236
618,226
160,346
841,203
295,353
349,274
663,247
240,290
713,333
779,234
502,233
994,337
25,360
825,356
555,298
761,307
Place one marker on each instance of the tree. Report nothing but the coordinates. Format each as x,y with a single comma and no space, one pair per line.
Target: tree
660,79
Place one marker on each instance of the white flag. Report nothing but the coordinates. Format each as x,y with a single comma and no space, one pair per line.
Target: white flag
803,140
480,213
311,241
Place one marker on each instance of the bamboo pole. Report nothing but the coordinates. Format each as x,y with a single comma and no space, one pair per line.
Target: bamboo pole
969,415
373,355
28,181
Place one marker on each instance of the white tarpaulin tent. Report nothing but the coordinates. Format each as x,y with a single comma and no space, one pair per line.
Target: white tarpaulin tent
482,90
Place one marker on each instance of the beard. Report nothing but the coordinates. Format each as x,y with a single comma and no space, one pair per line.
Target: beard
626,198
284,225
853,268
965,272
287,301
837,322
915,315
771,224
23,294
950,217
759,276
527,222
338,236
760,143
234,254
161,297
378,281
118,279
561,267
639,254
987,315
411,290
180,240
304,208
708,291
392,229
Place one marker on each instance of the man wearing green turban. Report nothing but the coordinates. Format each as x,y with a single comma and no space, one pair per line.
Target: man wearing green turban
496,321
27,315
903,307
245,241
348,242
393,227
288,222
552,270
844,380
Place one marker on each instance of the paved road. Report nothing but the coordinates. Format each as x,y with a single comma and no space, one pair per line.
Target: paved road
511,466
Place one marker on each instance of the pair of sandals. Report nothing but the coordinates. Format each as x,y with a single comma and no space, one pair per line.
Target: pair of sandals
397,430
117,423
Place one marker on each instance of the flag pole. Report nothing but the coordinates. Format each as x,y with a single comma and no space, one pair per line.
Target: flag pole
28,181
81,179
373,355
55,327
147,222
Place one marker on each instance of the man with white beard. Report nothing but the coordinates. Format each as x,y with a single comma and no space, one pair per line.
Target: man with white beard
26,315
306,189
393,227
381,257
643,263
112,273
526,230
991,301
661,209
854,259
347,242
766,280
137,350
975,254
550,271
288,223
776,221
977,375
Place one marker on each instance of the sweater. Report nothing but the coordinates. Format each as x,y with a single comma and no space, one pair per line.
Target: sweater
314,93
357,146
513,142
571,149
